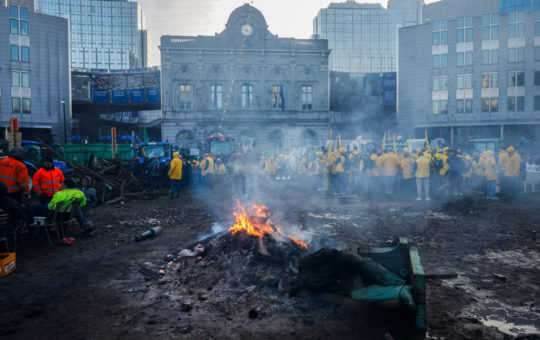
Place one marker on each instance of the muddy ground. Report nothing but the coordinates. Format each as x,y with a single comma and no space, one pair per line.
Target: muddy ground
107,286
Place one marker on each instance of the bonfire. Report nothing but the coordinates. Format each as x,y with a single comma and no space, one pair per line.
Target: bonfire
254,222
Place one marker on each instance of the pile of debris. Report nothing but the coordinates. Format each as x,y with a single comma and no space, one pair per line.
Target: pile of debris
113,181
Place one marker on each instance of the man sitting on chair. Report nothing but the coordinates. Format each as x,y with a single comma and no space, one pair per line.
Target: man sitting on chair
67,197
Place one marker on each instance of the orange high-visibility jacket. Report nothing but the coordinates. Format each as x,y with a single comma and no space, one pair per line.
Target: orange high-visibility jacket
14,175
48,182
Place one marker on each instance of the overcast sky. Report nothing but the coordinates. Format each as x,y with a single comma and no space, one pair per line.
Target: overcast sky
287,18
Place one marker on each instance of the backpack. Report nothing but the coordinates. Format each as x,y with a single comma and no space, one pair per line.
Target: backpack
439,164
414,167
368,163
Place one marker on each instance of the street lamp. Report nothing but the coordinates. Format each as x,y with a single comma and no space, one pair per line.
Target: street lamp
65,125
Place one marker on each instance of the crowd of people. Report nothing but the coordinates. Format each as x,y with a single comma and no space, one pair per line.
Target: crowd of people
422,173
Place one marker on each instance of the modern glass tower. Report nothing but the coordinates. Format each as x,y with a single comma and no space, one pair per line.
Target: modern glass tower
363,37
104,34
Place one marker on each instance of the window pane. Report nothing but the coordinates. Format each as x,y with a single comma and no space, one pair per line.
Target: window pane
443,106
494,104
494,32
444,60
435,106
537,78
24,27
15,79
468,34
485,80
444,24
537,28
460,37
486,19
444,83
444,37
536,103
521,79
485,104
512,79
460,82
511,103
511,55
16,105
24,13
521,30
15,52
436,61
520,55
13,11
512,30
461,21
459,106
469,21
468,105
26,105
436,25
520,104
485,57
14,26
460,59
468,82
435,84
436,36
494,80
25,79
494,19
485,33
24,53
468,58
494,56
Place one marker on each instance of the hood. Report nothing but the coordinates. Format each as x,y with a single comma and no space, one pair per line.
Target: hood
511,149
176,154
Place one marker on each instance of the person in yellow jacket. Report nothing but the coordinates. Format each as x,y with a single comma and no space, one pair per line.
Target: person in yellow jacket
220,167
407,173
422,174
207,169
175,174
511,173
389,163
340,174
489,169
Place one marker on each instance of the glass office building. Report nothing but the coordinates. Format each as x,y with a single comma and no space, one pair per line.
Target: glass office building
104,34
363,37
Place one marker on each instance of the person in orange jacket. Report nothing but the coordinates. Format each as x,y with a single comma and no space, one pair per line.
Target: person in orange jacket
47,181
14,175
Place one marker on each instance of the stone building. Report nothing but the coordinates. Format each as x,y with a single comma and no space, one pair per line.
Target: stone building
247,83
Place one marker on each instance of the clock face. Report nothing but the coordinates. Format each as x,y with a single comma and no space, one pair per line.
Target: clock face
247,29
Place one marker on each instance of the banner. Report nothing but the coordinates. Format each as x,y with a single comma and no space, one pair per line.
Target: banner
153,95
136,96
119,96
100,96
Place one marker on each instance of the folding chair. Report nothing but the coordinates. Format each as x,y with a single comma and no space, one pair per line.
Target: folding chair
57,219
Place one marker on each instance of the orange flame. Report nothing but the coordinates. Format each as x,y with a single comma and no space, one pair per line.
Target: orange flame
256,222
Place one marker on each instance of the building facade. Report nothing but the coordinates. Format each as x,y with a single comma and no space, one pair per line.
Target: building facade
245,82
34,71
363,37
105,34
472,69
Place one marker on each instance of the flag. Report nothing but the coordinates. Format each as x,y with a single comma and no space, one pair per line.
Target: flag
427,142
384,141
329,147
339,142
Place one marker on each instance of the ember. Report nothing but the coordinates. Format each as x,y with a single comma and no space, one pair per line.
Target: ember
255,223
